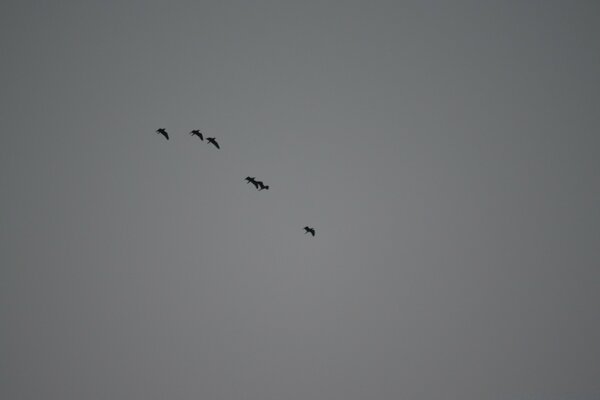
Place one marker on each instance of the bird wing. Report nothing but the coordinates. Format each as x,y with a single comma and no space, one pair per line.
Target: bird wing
312,231
201,137
216,144
164,133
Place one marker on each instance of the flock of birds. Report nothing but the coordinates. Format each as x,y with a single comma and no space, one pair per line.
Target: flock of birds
259,185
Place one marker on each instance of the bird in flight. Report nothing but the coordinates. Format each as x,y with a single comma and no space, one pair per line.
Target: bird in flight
213,141
196,132
163,132
252,180
309,230
262,186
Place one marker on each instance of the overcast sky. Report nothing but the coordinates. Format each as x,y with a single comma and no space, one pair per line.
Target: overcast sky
446,152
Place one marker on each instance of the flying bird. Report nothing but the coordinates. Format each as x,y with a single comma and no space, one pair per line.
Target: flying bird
262,186
213,141
309,230
163,132
196,132
252,180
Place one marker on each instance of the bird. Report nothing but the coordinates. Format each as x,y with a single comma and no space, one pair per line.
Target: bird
196,132
262,186
163,132
252,180
309,230
213,141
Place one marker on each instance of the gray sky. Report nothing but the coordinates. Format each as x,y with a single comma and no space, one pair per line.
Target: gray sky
447,154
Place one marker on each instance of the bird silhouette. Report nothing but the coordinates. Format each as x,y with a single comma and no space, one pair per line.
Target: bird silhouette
163,132
309,230
196,132
213,141
262,186
252,180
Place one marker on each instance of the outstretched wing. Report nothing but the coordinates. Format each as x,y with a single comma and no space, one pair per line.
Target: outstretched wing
312,231
215,143
163,132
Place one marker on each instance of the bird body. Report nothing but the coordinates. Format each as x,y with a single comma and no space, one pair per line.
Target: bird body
262,186
213,142
257,184
309,230
163,132
252,180
196,132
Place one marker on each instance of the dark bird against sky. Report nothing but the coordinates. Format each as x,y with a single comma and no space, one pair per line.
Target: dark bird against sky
252,180
213,141
309,230
163,132
262,185
255,183
196,132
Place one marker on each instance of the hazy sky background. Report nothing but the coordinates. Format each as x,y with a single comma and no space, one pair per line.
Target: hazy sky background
447,153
